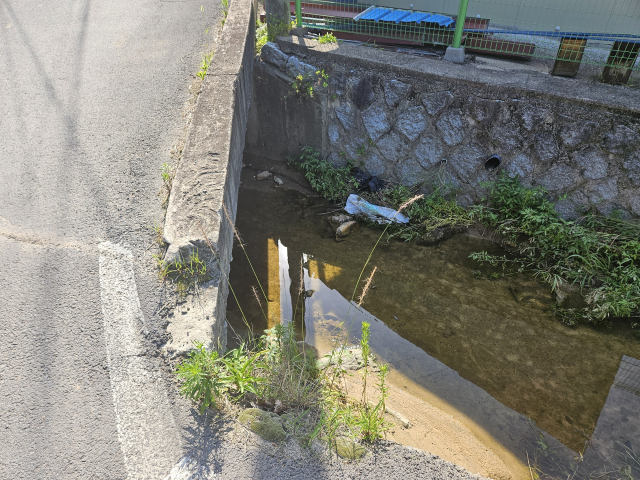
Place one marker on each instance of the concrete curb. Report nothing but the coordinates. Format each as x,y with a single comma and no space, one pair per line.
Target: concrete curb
208,177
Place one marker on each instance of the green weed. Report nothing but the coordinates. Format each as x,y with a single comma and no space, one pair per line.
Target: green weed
323,78
261,36
204,66
327,38
202,377
184,273
225,10
370,417
302,86
333,183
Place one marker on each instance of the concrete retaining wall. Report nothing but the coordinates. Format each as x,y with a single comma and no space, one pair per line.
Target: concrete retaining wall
208,177
400,117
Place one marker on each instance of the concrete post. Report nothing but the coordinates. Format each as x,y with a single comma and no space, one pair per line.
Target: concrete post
278,15
455,53
299,13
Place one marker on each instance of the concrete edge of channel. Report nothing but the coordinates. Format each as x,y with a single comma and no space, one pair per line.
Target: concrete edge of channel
207,181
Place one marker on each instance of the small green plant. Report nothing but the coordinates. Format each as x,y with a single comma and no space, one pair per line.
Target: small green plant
204,66
167,173
323,78
202,376
158,238
370,418
302,86
361,150
327,38
184,273
242,372
331,182
261,36
225,10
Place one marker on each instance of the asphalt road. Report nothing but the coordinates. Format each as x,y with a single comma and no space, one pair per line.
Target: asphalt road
91,96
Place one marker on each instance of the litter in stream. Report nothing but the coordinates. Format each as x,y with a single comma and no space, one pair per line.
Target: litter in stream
382,215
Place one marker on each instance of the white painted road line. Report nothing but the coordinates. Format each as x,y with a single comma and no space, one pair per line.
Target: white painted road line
149,437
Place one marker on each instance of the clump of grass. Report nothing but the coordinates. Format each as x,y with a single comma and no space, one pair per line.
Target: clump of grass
185,274
204,66
270,368
601,255
327,38
225,10
333,183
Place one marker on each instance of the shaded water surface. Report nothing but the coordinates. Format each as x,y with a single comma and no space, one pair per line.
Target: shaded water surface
489,349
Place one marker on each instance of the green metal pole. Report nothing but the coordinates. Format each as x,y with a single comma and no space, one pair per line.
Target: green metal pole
299,13
462,15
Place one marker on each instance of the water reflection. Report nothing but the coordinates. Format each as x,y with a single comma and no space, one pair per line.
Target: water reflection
329,318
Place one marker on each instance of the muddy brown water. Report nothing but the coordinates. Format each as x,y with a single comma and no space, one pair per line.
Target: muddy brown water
489,349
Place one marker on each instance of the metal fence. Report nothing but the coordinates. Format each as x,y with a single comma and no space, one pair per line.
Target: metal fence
569,32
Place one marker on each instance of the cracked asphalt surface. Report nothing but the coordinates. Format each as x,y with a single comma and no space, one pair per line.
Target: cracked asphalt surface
91,96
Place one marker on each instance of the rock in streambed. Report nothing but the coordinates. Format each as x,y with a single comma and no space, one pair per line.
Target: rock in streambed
346,230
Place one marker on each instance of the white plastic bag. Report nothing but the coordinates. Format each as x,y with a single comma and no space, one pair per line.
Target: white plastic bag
356,205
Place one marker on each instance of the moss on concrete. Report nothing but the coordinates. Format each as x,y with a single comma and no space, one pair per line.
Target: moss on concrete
267,425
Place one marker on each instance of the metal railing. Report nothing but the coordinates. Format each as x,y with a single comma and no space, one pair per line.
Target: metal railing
605,33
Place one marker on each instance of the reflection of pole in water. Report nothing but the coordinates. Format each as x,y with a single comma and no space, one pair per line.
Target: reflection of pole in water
616,438
285,283
273,283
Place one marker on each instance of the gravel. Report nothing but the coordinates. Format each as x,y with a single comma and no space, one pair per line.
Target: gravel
225,449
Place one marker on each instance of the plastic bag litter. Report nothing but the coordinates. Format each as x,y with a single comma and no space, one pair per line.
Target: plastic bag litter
356,205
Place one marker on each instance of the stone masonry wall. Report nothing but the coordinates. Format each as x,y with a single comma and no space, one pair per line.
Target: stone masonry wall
404,128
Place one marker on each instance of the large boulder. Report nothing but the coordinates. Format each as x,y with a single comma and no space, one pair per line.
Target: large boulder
272,54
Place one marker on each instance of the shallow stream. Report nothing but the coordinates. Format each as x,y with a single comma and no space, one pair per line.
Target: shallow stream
487,351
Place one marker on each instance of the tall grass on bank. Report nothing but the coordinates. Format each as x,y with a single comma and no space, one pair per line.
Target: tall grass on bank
601,255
